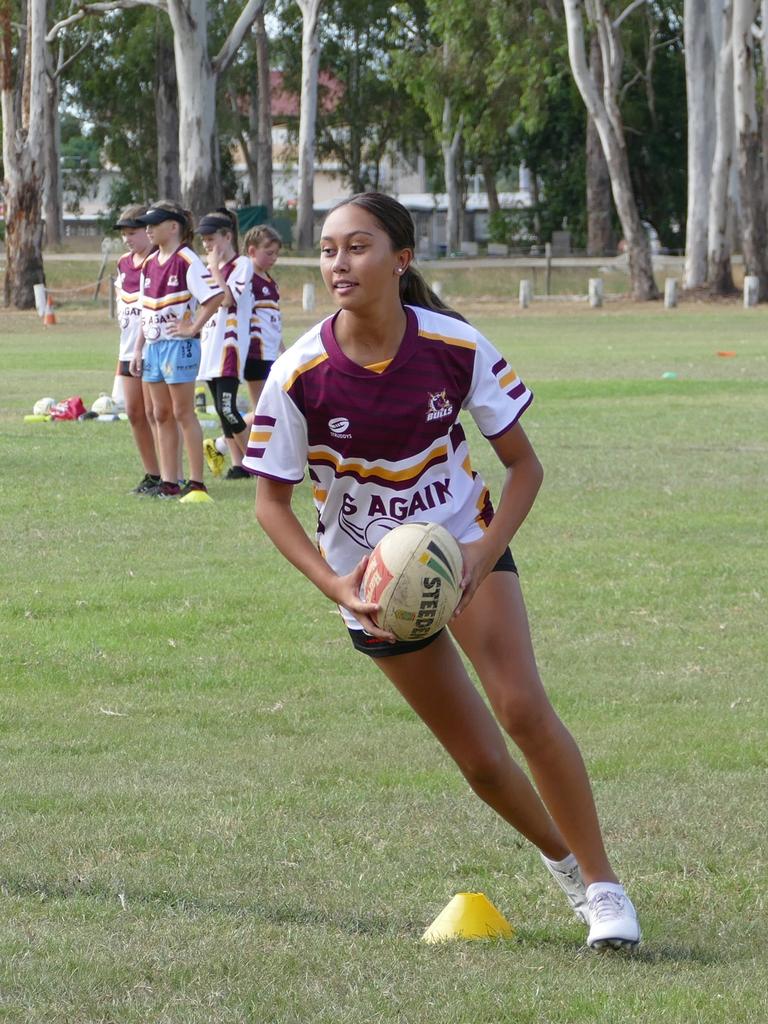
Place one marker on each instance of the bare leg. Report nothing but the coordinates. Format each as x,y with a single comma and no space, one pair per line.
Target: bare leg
183,403
167,431
255,387
436,685
237,445
493,632
140,424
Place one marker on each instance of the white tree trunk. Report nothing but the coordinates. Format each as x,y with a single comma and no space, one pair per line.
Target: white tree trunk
753,214
604,111
52,192
310,66
196,82
22,102
451,146
264,193
166,120
700,89
719,272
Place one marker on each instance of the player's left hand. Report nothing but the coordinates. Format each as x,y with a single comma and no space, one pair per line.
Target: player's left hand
478,562
181,329
347,594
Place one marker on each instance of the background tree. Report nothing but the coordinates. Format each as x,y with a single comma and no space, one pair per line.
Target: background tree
606,114
22,102
310,68
721,207
700,90
197,75
754,230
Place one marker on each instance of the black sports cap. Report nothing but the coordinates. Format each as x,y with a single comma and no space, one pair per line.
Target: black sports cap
157,214
128,222
213,222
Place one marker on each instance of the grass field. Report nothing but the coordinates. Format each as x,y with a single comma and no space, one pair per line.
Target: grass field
213,810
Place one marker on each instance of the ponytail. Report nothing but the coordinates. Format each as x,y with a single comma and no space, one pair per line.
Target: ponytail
414,291
222,211
187,230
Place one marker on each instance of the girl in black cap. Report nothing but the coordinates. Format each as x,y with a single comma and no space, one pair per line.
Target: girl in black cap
178,296
226,336
138,405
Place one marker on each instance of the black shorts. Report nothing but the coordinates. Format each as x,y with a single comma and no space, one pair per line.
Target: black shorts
257,369
122,368
375,648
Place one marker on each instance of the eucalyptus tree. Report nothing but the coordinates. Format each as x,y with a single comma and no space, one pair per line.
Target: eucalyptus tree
722,205
22,103
198,74
605,111
310,69
700,83
754,230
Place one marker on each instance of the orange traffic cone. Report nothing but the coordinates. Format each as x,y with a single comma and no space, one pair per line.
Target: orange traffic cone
50,317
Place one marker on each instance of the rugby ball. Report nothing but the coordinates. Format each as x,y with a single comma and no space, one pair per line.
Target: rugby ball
414,574
43,406
104,404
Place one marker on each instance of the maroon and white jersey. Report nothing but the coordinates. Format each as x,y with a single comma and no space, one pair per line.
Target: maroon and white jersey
226,336
385,447
128,291
171,291
266,324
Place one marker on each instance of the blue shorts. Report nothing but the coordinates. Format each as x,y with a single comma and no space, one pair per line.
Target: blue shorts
173,360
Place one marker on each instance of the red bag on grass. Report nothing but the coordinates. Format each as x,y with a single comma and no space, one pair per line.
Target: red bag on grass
69,409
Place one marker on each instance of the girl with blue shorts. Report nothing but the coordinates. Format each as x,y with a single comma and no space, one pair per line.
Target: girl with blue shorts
178,296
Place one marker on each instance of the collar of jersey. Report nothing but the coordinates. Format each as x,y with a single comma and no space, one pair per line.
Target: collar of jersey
346,365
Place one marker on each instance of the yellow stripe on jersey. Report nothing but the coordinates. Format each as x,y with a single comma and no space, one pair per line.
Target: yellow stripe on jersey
303,369
379,367
167,300
129,296
507,378
319,495
459,342
467,466
480,505
265,305
318,454
260,436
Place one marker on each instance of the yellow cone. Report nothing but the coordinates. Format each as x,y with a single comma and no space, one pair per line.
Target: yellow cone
469,915
194,497
32,418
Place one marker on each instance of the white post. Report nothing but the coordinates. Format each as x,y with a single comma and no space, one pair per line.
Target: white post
40,300
670,293
525,294
751,289
308,297
437,288
595,291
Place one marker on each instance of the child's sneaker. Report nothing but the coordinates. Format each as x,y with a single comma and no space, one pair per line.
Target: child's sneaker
237,473
613,920
567,874
213,457
146,485
166,490
194,491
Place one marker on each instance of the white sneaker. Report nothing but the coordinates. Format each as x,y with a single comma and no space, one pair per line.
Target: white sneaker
613,920
567,874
